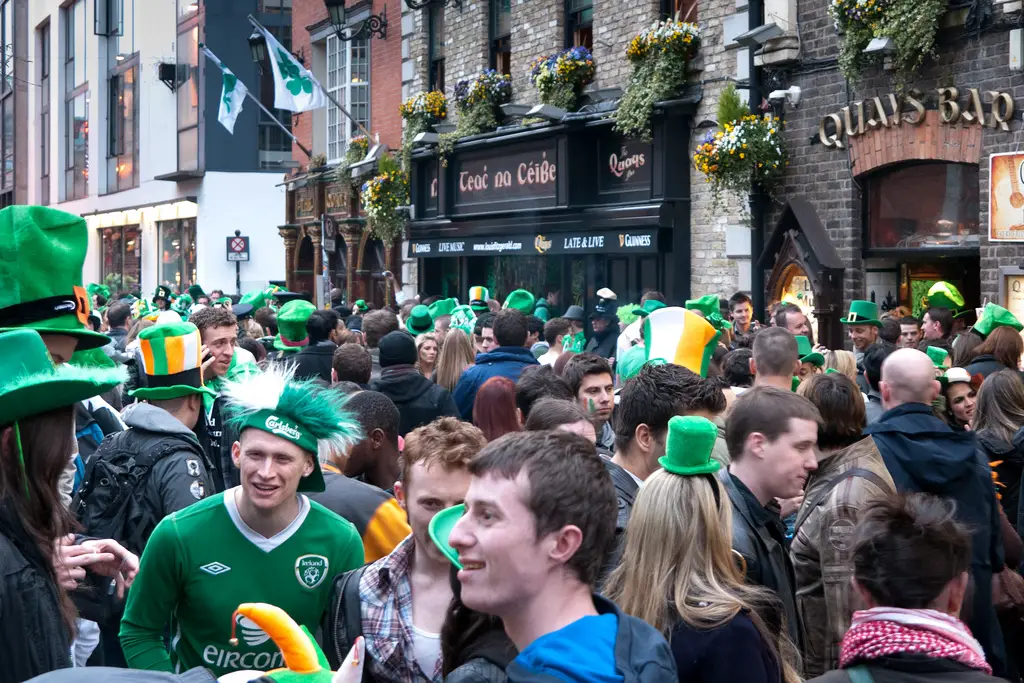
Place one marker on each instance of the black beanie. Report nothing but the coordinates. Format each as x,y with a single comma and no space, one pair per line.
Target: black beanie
397,348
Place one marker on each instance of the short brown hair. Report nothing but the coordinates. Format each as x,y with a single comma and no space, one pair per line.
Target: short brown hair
1005,344
841,406
376,324
208,317
568,484
581,365
352,363
447,441
775,352
552,413
765,410
555,328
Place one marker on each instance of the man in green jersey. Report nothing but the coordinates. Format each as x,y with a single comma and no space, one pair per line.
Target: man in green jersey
261,541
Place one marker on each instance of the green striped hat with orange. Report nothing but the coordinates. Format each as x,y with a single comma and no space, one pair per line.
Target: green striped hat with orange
172,360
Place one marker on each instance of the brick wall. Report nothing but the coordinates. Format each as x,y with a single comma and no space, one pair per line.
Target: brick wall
465,38
612,32
305,13
538,28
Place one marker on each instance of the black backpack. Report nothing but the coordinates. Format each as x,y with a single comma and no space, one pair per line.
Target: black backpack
109,503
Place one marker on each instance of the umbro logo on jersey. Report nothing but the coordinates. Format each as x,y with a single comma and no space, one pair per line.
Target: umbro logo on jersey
215,568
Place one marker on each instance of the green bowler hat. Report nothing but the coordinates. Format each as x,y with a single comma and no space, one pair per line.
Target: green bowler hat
521,300
650,306
688,448
419,321
993,316
172,359
291,326
440,529
360,306
937,355
442,307
944,295
33,385
862,313
42,251
807,353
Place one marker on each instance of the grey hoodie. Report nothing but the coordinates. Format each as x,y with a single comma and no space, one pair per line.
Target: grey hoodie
104,674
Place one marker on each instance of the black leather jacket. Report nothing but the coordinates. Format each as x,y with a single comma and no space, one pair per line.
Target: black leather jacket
767,560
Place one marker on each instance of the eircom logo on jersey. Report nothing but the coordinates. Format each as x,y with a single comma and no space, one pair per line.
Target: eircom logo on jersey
225,659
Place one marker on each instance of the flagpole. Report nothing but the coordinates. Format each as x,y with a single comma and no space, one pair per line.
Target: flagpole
328,95
248,93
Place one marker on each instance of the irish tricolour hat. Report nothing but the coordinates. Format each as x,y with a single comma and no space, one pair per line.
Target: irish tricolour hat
172,360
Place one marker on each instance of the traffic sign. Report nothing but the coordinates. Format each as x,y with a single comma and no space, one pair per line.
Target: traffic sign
330,234
238,248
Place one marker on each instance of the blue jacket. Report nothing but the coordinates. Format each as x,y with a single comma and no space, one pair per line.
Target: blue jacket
504,361
641,655
923,454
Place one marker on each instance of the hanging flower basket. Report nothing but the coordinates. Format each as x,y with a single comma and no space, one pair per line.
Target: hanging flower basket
421,113
477,100
911,24
358,148
658,57
561,77
743,153
382,196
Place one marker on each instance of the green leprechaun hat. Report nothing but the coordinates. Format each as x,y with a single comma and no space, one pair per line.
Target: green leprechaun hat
291,326
42,251
943,295
862,313
688,448
305,413
650,306
807,353
440,528
937,355
162,292
360,307
172,359
442,307
993,316
463,318
478,297
710,307
419,321
520,300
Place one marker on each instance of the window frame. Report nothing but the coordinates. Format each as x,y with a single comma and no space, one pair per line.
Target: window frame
192,22
119,230
117,152
686,9
435,56
43,40
7,114
346,86
499,44
578,27
73,90
183,265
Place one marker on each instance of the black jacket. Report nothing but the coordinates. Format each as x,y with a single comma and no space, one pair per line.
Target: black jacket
992,448
923,454
605,343
625,495
33,637
985,365
766,556
314,362
906,668
419,400
216,437
710,655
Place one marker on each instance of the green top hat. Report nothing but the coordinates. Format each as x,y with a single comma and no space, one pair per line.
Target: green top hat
172,360
688,448
195,291
808,354
478,297
283,297
442,307
42,251
521,300
162,292
291,325
862,313
937,355
541,310
361,306
33,385
440,528
419,321
944,295
633,361
650,306
993,316
711,308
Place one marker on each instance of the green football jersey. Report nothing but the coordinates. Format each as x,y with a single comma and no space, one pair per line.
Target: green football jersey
202,562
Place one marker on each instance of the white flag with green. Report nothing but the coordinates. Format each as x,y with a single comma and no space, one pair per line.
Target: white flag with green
232,95
295,88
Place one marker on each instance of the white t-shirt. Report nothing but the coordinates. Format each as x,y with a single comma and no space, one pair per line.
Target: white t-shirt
427,648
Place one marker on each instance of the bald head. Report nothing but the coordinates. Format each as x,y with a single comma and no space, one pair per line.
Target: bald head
908,376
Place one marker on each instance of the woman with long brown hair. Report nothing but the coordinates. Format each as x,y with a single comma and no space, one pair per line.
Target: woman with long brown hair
494,409
37,568
999,425
456,355
678,541
1001,349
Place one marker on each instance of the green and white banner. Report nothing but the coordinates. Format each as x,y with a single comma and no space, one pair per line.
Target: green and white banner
295,88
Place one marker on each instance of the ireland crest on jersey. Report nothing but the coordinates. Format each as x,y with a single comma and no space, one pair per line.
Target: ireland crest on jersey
311,570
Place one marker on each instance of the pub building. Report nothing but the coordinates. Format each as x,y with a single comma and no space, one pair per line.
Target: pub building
562,209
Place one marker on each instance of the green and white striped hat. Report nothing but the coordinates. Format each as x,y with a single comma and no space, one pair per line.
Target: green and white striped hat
172,360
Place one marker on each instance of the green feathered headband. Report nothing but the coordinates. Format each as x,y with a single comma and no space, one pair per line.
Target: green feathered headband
306,413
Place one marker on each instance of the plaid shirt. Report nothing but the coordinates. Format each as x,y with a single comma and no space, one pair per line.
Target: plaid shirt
385,594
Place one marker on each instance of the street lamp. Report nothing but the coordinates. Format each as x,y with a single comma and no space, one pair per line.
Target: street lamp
374,25
258,47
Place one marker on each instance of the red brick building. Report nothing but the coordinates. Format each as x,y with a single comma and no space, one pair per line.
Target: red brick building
365,76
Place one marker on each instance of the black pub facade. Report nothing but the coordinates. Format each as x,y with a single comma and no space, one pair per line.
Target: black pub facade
562,209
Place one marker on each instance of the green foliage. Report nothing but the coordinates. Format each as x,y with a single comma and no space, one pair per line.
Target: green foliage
730,107
475,119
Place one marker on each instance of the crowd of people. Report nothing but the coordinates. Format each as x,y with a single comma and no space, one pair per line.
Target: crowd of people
500,490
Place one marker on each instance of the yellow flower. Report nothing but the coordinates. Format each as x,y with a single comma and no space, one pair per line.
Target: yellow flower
741,153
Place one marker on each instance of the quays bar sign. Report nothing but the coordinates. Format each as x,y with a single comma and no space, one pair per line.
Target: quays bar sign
969,106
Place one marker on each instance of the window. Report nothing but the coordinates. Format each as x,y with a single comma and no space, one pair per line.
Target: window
44,114
348,81
923,205
6,46
275,147
272,6
187,9
122,258
501,36
7,100
122,144
681,10
76,103
435,46
188,97
177,253
121,34
579,23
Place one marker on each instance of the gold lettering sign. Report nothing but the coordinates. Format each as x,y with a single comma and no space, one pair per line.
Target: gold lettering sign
969,107
335,196
304,202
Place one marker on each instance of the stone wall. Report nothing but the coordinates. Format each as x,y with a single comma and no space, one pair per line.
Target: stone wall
612,33
538,28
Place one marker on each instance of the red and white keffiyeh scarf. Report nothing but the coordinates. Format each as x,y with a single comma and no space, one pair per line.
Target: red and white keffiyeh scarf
883,631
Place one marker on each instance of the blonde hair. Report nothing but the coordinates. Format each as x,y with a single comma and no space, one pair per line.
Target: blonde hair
843,361
679,543
421,341
455,356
